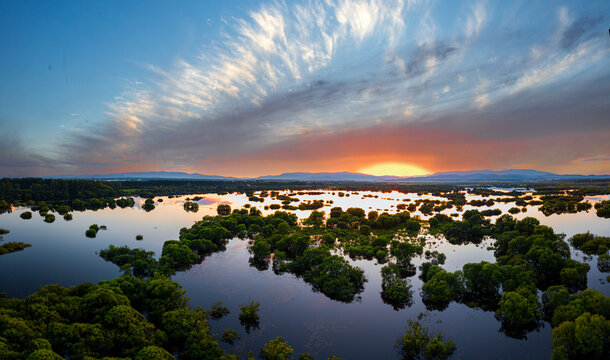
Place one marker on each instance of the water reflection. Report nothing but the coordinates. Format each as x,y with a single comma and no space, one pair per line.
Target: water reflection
309,321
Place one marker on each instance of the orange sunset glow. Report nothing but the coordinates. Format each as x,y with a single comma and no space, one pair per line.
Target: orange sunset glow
395,169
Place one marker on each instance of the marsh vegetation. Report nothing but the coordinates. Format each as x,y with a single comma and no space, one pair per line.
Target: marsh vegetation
407,249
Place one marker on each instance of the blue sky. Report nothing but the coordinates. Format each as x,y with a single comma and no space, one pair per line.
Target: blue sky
257,87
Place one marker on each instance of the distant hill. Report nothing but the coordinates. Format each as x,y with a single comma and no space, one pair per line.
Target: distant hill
512,175
160,175
328,176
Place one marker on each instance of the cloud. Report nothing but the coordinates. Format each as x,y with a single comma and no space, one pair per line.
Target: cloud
553,69
16,159
579,30
289,73
475,21
597,159
426,57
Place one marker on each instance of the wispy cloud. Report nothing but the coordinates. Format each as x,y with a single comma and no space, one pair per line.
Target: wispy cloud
474,23
320,68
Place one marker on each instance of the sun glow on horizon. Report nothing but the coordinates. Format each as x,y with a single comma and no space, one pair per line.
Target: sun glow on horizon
394,168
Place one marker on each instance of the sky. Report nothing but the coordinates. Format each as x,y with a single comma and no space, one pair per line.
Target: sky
251,88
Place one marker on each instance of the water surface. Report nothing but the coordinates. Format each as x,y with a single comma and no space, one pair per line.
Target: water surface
309,321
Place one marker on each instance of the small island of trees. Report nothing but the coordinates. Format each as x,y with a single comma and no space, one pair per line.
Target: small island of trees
12,246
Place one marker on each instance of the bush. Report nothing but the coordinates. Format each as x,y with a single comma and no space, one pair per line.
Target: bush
395,290
603,263
248,316
11,247
218,310
518,309
154,353
26,215
416,343
276,349
229,336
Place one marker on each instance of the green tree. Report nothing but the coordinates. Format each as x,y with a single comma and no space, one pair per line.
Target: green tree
229,336
276,349
248,315
417,344
315,219
218,311
128,330
154,353
44,354
518,309
395,290
223,209
588,337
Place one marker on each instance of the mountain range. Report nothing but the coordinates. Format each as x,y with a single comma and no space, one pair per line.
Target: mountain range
512,175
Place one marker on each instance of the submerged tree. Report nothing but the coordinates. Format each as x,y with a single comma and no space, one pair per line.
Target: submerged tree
396,291
248,317
417,344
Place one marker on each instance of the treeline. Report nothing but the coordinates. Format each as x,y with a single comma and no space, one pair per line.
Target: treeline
50,190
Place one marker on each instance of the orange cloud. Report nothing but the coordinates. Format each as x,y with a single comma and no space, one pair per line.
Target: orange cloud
426,147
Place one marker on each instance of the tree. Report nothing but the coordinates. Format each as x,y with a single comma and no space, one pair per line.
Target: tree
585,338
518,309
43,354
372,215
552,298
395,290
482,279
229,336
404,251
248,316
191,206
336,278
178,324
574,275
441,287
603,209
176,256
149,205
223,209
603,263
128,330
154,353
276,349
357,212
417,344
218,311
12,246
260,250
365,230
99,300
315,219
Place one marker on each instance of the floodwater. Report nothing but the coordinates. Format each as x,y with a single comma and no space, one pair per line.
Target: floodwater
309,321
